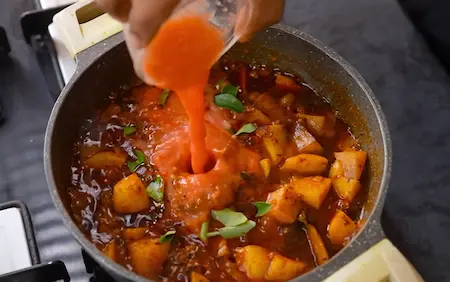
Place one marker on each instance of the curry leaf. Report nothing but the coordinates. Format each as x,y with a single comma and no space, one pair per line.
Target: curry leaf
262,207
155,189
140,159
212,234
247,128
166,238
230,102
234,231
164,97
139,156
230,89
229,217
204,231
128,130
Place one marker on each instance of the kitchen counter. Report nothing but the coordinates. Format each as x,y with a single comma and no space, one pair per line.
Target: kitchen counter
374,36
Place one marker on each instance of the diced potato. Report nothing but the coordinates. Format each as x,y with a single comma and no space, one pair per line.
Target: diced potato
110,250
105,159
306,164
341,228
134,233
282,268
253,260
346,188
88,151
312,190
129,195
286,83
318,247
336,169
315,124
148,255
266,166
197,277
287,100
286,204
269,106
305,142
275,142
352,163
256,116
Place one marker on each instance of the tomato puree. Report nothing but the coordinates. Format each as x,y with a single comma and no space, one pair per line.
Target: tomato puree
179,58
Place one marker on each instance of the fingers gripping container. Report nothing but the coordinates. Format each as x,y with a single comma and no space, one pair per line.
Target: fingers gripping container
223,14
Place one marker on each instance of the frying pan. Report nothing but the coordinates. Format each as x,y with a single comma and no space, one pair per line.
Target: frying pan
106,67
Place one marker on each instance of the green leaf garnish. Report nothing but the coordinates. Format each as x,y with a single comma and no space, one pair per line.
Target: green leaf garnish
229,217
164,97
247,128
230,102
204,231
262,207
140,159
166,238
234,231
155,189
230,89
128,130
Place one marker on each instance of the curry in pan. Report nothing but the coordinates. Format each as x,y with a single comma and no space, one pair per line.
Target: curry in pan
281,192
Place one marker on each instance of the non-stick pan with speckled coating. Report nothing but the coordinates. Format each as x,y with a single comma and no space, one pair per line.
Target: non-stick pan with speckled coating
106,67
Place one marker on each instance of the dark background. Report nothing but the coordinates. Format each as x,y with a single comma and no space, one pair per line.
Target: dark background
375,36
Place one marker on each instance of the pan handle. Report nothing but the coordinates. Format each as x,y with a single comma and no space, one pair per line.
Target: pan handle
382,262
83,25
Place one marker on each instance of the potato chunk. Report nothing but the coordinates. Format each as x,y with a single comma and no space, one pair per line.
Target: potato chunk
275,142
134,233
269,106
282,268
352,163
107,158
148,256
318,247
266,166
286,83
312,190
256,116
110,250
346,188
305,142
315,124
341,228
286,204
129,195
253,260
197,277
259,264
336,169
306,164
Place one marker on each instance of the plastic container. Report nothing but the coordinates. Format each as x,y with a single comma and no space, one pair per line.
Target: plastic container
222,14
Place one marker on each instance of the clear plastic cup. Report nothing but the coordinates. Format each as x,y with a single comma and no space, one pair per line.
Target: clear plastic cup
221,13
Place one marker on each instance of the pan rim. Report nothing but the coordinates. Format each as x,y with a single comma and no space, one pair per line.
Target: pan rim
319,273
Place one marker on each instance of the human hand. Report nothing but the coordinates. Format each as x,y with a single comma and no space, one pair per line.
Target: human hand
144,17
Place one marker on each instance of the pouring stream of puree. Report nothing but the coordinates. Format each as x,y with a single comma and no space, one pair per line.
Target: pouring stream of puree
179,58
